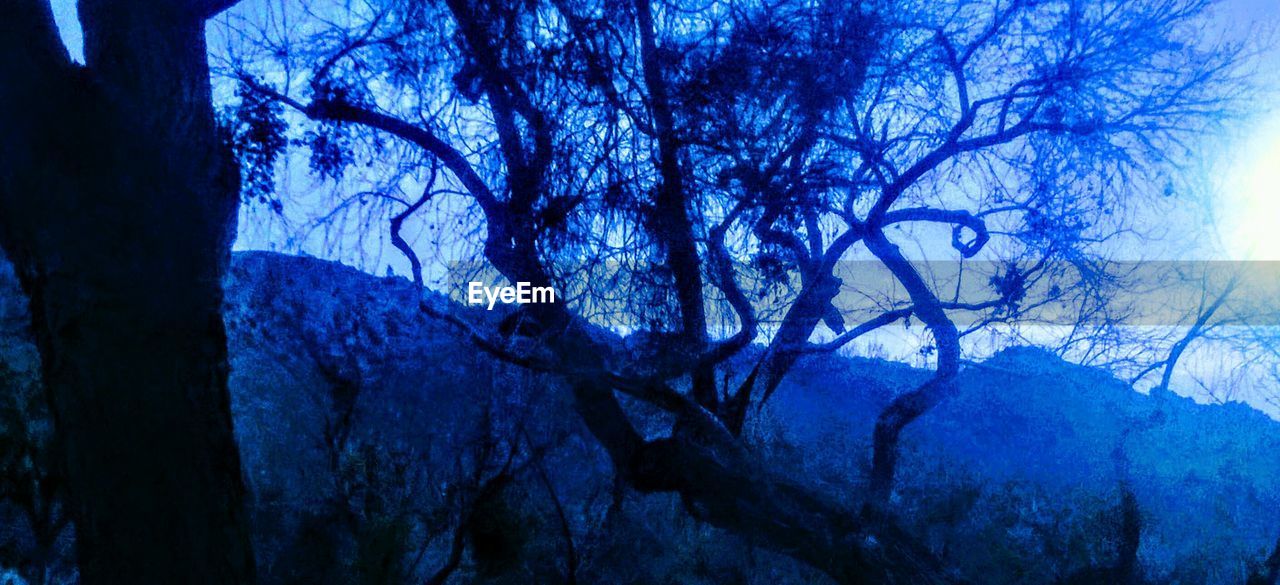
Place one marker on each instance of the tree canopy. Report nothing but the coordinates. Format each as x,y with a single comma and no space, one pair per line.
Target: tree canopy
701,174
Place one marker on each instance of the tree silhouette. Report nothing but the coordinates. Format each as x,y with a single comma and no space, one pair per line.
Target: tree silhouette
118,198
701,174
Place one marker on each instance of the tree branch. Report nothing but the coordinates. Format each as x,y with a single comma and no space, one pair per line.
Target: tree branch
909,406
961,219
671,224
450,157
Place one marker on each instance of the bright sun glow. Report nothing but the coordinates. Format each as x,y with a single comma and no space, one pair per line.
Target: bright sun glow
1250,214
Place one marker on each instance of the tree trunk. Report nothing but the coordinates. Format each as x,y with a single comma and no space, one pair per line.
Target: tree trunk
117,205
721,484
909,406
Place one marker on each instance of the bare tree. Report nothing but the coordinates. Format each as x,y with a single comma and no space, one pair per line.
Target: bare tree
1211,313
701,176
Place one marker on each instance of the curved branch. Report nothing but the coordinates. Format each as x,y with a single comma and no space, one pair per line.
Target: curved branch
882,320
452,159
397,221
907,407
725,280
960,219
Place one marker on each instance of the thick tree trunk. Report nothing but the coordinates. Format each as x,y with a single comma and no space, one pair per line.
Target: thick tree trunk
723,485
117,203
909,406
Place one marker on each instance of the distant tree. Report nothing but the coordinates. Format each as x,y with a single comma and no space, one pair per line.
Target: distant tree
118,200
1212,314
701,173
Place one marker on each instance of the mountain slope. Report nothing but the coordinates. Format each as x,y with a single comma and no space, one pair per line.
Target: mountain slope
1015,478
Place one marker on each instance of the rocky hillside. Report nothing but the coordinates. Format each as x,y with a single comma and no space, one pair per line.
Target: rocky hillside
342,383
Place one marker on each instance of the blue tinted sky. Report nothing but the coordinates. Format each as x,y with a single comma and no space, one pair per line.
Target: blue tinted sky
1238,15
1242,205
1243,211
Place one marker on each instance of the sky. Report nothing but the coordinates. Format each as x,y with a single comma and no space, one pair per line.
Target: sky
1243,164
1248,189
1244,197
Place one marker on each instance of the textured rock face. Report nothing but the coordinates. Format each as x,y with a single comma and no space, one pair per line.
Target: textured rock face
309,338
298,326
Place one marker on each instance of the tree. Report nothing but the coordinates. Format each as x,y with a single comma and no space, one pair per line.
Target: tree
118,200
1203,321
701,176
